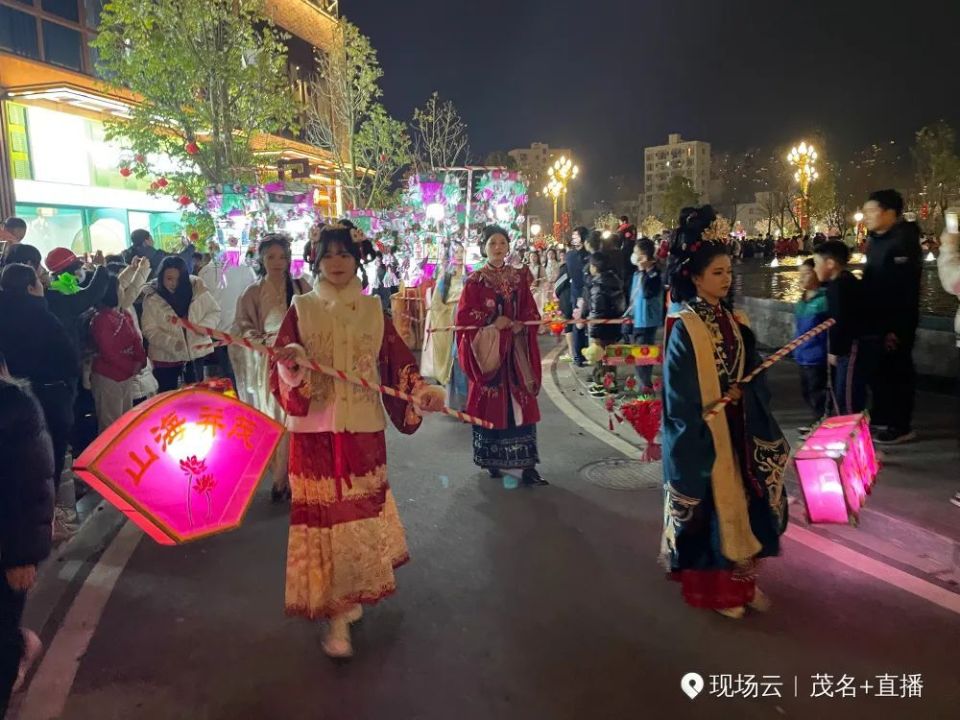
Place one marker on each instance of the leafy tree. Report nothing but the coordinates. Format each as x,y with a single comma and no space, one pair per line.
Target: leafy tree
342,96
678,195
937,167
439,135
382,150
498,158
651,226
209,74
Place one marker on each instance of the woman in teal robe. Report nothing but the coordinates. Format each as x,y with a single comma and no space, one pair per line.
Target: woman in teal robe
724,501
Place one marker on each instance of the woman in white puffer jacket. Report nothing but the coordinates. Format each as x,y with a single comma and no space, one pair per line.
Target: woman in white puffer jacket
175,352
948,266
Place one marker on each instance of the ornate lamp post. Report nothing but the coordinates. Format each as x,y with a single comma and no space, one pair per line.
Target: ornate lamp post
563,171
804,157
553,189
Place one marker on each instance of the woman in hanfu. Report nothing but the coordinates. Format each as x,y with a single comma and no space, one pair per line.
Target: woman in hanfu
345,533
439,359
502,361
260,311
724,503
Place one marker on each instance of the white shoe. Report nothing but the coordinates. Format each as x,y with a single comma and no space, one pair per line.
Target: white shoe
761,602
734,613
355,614
956,499
64,527
32,647
337,643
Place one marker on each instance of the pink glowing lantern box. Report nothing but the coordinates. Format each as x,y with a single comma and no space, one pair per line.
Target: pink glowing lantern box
184,464
837,467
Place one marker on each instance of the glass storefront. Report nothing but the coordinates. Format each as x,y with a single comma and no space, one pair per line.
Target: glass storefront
69,189
87,230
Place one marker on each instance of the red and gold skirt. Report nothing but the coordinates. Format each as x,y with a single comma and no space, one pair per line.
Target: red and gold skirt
345,537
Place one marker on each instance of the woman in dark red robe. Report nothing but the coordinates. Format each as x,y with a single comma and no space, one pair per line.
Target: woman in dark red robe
502,361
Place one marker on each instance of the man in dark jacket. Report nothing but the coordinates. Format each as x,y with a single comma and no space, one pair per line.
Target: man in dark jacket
26,512
891,296
575,261
141,245
628,240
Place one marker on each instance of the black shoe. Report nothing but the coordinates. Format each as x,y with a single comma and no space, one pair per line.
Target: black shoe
533,478
278,495
495,473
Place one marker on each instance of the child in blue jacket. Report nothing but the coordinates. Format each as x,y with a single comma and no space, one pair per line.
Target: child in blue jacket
646,300
811,357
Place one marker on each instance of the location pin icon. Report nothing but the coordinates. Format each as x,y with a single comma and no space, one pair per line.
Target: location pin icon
691,684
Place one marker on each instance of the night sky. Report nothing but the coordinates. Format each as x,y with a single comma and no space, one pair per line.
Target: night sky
608,77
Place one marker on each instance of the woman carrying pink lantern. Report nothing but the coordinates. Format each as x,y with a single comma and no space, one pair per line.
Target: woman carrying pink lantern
345,533
724,500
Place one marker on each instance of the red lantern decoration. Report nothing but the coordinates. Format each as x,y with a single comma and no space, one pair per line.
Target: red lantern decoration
139,158
125,171
645,416
192,148
184,200
162,182
194,236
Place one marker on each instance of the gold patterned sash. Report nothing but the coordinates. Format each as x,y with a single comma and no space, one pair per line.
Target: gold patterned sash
737,540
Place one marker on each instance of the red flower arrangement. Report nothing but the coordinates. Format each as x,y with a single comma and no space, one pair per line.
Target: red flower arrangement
645,415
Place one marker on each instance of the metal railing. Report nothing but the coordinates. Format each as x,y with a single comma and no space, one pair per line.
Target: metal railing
330,7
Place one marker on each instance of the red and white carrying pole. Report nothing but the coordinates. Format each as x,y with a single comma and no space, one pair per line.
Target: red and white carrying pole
773,359
229,339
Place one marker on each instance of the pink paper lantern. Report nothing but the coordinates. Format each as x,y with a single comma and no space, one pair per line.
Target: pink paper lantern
184,464
837,467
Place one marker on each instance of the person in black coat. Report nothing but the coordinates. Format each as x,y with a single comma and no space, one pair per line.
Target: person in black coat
38,348
606,301
141,245
575,262
26,513
891,297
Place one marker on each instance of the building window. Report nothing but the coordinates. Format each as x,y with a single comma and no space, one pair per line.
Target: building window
62,46
66,9
93,8
18,32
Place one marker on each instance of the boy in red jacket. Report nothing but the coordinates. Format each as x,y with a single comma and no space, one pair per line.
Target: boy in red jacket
120,357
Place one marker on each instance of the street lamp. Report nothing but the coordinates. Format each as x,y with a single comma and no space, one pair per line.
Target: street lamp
858,219
804,157
562,172
553,189
535,229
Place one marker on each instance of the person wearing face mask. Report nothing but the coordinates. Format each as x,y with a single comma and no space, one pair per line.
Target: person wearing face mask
260,312
345,536
38,348
73,289
725,503
502,361
177,353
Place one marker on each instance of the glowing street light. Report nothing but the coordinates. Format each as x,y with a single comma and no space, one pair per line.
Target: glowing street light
804,158
535,229
553,189
562,172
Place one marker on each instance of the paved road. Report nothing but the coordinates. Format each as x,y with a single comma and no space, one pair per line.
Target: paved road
518,603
